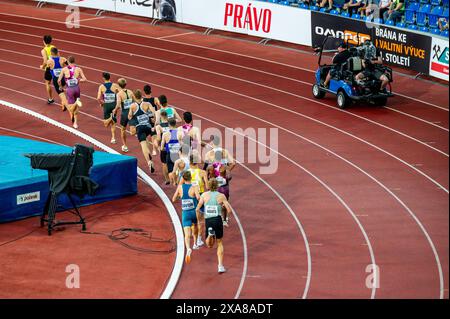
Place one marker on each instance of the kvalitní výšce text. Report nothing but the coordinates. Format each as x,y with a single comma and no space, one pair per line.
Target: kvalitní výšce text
225,308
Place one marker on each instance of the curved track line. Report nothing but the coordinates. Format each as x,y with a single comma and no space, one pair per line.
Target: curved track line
384,187
238,79
437,259
31,135
212,49
245,266
176,272
255,117
329,189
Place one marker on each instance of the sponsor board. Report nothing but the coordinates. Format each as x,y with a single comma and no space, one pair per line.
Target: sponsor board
261,19
156,9
398,47
28,198
108,5
439,58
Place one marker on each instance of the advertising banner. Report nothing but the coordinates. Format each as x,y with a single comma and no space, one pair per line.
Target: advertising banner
108,5
398,47
261,19
439,58
169,10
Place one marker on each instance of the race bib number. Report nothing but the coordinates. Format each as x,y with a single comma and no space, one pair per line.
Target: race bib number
72,82
165,129
127,104
187,204
211,211
110,97
174,147
57,72
221,181
143,119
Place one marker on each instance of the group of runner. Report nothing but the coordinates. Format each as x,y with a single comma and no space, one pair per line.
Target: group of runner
202,181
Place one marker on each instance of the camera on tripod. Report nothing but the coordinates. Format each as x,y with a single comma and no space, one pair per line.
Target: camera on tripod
68,174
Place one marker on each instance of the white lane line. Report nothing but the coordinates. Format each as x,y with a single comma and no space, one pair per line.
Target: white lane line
262,120
418,118
241,229
176,272
90,19
31,135
175,35
367,174
239,79
212,49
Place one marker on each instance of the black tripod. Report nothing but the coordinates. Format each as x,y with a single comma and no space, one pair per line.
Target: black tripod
50,209
68,174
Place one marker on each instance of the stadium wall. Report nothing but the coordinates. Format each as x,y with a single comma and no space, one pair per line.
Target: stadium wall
417,51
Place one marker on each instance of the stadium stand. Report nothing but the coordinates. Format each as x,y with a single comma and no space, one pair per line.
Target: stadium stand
419,15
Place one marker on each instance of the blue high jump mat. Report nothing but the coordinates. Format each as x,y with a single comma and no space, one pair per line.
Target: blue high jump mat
23,190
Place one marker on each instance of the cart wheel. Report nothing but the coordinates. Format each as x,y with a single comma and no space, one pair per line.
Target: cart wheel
381,101
342,100
317,92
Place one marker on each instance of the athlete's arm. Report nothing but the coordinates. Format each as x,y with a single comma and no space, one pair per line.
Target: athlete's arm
157,117
177,116
223,200
200,204
119,103
163,140
205,179
61,75
131,111
177,194
44,59
156,100
83,78
231,161
100,95
197,192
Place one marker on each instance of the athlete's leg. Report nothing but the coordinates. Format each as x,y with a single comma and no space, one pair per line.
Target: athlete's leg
194,230
48,88
123,135
220,251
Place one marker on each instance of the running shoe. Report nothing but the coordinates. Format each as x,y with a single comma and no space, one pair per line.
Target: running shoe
221,269
124,148
195,247
113,141
225,222
200,242
188,256
211,232
152,168
50,101
78,102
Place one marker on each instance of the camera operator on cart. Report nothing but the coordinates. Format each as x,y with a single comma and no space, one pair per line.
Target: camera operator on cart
339,58
373,66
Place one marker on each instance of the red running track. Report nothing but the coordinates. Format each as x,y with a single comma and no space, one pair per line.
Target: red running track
102,263
353,187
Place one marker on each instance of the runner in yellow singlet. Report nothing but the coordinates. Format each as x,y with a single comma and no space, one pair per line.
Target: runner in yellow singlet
46,53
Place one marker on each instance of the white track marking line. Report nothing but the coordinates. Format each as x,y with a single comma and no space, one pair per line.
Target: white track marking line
364,172
90,19
282,128
176,272
268,122
233,78
175,35
417,118
31,135
213,49
235,92
241,229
